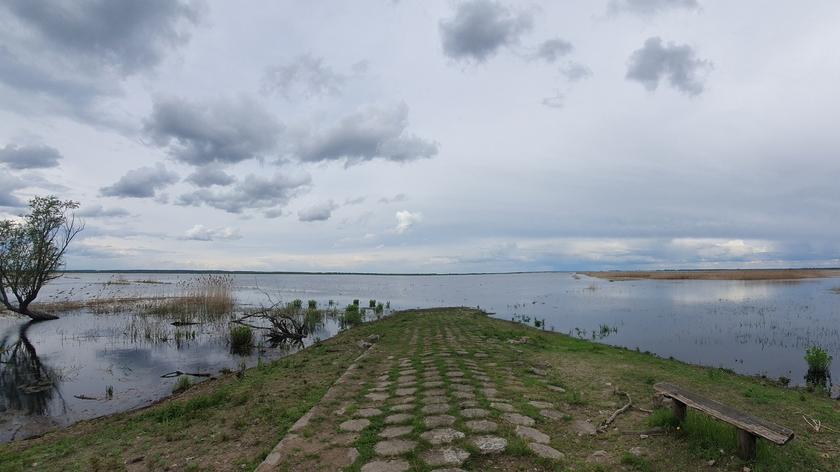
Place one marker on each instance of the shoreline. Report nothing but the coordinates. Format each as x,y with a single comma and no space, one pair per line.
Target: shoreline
234,422
716,274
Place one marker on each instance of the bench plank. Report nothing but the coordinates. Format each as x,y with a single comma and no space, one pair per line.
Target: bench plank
756,426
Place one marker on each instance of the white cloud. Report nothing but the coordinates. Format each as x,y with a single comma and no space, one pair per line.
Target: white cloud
203,233
406,220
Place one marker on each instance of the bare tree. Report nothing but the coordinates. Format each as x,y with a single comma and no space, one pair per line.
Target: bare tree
32,252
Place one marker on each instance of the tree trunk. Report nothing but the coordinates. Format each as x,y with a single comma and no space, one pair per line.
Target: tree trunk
36,315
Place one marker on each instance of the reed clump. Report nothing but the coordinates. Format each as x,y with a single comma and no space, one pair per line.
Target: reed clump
205,298
241,339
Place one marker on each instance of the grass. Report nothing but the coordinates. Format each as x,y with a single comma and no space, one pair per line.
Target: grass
204,298
233,422
241,339
182,385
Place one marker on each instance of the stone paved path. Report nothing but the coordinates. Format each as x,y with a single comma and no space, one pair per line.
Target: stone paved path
439,398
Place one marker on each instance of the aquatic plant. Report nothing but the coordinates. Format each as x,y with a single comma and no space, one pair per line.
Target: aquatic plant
241,339
818,359
372,303
379,309
352,315
818,376
297,303
205,298
182,385
313,304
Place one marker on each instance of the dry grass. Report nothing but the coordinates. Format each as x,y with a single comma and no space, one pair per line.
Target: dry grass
718,274
208,297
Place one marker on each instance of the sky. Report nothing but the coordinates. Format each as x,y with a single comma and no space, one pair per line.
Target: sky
427,135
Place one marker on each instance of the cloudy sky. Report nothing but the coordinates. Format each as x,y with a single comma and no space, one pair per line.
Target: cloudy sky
428,135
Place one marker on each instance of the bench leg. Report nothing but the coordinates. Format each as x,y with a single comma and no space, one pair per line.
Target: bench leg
746,445
678,408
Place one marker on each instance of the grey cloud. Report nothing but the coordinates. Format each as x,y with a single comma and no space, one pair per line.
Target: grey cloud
480,28
125,35
365,135
98,211
84,51
210,176
220,132
354,201
647,7
252,192
320,212
558,100
306,76
553,49
679,63
400,197
574,71
141,183
8,184
29,157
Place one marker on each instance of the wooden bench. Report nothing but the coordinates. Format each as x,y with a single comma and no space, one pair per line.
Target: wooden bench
749,427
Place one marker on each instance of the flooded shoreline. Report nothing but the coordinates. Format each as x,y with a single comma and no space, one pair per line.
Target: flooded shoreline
109,352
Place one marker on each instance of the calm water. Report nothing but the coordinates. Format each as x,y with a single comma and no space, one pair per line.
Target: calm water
750,327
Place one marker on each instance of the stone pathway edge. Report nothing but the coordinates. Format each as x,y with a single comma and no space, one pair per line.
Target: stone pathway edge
273,458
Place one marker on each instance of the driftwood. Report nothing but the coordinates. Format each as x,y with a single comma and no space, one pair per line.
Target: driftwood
178,373
817,425
282,327
604,424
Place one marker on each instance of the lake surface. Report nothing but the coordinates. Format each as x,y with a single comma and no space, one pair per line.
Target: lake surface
752,327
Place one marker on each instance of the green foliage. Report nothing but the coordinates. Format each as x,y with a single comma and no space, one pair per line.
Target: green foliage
313,304
663,418
297,303
32,251
372,303
818,359
241,339
379,309
352,315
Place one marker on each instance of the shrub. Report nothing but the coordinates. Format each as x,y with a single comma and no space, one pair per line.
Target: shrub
372,303
818,359
352,315
379,308
313,304
297,303
241,339
819,365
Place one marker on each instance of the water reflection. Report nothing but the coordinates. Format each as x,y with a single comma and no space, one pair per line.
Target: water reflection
26,383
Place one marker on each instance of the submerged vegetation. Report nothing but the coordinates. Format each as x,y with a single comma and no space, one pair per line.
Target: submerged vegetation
241,339
205,298
818,376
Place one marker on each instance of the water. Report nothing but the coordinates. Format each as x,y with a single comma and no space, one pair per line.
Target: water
752,327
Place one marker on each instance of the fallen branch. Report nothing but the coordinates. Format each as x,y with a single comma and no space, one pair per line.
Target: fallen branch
604,424
816,424
178,373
